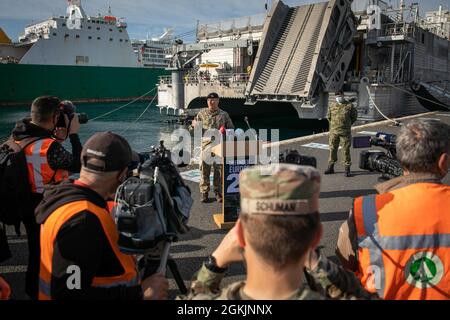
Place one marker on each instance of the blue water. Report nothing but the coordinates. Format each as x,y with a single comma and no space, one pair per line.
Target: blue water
150,129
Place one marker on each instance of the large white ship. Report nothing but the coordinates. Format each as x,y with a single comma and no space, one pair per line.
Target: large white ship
79,57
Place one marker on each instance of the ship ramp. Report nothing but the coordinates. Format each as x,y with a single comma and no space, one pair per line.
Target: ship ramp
305,50
432,96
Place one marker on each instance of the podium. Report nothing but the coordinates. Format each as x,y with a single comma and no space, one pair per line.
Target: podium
235,156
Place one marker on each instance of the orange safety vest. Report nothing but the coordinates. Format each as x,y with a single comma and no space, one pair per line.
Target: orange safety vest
49,231
404,242
39,172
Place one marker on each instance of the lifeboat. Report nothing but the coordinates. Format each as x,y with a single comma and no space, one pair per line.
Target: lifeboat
110,19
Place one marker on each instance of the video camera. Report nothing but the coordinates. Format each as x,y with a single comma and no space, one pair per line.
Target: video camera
153,206
69,109
294,157
375,160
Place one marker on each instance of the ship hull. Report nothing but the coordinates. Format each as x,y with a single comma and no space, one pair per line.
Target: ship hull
22,83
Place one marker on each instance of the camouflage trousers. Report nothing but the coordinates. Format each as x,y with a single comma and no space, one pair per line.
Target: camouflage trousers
335,139
205,170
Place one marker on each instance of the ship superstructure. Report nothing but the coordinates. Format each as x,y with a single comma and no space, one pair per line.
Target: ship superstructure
389,60
151,52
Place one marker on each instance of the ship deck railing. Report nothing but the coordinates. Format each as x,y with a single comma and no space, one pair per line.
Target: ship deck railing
398,29
222,79
369,77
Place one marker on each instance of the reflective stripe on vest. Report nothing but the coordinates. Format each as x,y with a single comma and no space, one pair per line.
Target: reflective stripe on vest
394,261
39,172
49,232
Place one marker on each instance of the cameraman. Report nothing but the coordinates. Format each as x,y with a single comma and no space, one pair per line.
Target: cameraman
48,162
79,236
397,242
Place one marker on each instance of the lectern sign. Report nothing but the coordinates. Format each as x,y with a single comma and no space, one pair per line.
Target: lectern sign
235,156
231,200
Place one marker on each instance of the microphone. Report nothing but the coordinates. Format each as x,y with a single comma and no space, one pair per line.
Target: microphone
246,121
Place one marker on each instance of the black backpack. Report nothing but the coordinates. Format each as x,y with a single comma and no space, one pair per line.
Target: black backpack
15,189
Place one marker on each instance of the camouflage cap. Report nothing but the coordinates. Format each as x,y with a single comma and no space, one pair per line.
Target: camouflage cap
279,189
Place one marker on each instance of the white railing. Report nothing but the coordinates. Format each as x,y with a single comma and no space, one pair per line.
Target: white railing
398,29
206,78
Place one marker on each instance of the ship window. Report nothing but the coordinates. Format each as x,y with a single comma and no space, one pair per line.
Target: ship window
423,37
54,33
89,27
77,36
120,30
81,59
98,38
126,40
98,28
121,40
110,39
89,37
63,24
66,35
110,30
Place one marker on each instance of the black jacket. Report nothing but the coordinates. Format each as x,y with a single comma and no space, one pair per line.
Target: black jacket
57,156
81,241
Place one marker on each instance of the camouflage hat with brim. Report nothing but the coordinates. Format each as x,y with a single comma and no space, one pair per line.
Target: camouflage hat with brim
279,189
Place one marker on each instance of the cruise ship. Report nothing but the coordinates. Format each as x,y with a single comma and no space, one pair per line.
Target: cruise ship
78,57
151,52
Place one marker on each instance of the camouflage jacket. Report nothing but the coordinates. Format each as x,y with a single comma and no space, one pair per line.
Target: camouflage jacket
214,120
341,117
326,281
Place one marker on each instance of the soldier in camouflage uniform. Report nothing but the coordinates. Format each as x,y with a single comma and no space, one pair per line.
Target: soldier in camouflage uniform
211,118
341,116
276,235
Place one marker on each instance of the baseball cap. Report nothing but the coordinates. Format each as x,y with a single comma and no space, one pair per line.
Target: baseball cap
279,189
212,95
111,151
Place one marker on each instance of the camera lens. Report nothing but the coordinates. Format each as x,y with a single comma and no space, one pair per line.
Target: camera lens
83,118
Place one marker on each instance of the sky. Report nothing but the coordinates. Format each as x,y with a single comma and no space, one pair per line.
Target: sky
148,18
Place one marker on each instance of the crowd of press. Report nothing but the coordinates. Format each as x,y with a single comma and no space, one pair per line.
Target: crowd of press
394,245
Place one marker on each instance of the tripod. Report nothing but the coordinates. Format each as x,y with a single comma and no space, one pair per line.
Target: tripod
158,264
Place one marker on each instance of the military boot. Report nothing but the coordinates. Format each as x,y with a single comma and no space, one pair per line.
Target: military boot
330,169
204,197
219,197
347,172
